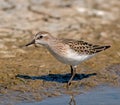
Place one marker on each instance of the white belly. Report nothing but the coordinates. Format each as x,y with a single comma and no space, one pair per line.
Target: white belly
71,57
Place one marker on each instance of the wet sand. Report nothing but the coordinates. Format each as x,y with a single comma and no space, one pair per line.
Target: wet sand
103,95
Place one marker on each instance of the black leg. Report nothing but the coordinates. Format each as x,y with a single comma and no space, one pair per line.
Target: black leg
71,70
73,74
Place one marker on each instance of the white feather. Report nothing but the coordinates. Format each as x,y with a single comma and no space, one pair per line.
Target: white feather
72,58
75,58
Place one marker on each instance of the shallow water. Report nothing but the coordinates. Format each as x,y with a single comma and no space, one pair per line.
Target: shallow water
102,95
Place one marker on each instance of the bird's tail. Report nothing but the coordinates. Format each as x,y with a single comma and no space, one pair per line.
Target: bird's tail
101,48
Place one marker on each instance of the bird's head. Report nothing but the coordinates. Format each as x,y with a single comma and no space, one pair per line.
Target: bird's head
42,38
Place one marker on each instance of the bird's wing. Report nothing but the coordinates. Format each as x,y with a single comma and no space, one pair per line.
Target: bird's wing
83,47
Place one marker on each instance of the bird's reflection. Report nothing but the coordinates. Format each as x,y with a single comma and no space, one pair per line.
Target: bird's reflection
72,100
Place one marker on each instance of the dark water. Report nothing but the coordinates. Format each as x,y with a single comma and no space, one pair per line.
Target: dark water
102,95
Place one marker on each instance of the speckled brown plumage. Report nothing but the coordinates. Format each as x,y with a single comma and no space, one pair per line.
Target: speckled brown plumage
83,47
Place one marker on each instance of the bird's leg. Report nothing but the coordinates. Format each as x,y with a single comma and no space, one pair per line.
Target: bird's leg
71,70
73,74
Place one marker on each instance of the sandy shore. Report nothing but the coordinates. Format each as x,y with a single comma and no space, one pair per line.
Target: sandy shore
104,95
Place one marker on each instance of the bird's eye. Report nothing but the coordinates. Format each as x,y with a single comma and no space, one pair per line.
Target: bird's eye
40,37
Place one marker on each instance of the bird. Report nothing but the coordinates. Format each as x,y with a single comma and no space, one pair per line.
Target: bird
68,51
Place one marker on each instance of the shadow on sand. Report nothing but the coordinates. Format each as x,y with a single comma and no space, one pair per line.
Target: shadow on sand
61,78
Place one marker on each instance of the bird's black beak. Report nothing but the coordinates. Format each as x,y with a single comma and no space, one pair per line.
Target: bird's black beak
30,43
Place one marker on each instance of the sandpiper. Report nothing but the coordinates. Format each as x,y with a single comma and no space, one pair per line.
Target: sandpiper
67,51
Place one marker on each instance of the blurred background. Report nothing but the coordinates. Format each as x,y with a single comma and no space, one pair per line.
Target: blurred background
90,20
95,21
